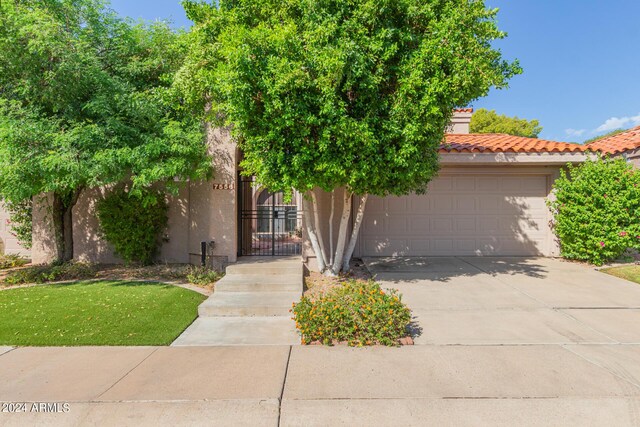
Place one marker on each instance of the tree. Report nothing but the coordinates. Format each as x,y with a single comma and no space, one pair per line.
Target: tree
605,135
86,101
485,121
352,94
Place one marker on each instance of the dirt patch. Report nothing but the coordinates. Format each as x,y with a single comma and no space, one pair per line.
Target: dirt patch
316,283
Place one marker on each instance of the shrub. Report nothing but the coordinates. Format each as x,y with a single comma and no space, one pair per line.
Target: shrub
597,210
51,273
133,224
11,261
202,276
357,312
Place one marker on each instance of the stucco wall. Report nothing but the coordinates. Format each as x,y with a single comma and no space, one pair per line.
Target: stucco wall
8,242
199,212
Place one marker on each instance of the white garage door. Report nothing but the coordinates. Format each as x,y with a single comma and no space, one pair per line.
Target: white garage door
462,215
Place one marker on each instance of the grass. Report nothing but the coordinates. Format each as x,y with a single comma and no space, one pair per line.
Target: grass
96,313
627,272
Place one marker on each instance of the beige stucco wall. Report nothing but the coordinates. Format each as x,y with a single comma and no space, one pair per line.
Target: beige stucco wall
199,212
633,157
8,242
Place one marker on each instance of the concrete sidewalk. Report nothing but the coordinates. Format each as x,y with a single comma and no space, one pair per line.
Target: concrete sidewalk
310,385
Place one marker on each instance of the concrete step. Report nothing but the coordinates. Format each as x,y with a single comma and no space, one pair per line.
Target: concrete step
248,304
260,283
267,268
273,330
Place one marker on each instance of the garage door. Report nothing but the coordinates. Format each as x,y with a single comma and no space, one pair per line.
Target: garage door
498,214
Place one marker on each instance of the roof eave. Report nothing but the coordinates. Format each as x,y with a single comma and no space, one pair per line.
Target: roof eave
549,158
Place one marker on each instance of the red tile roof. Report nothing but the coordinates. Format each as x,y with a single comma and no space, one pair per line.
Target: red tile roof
463,110
501,143
624,141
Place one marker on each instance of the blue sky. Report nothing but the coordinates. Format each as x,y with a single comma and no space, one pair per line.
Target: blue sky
581,76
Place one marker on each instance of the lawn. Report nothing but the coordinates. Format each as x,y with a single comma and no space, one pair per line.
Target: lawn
96,313
628,272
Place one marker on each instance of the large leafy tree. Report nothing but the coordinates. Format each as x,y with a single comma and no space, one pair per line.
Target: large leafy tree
85,101
341,93
485,121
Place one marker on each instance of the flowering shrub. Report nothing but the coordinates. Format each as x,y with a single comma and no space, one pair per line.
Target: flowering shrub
597,210
357,312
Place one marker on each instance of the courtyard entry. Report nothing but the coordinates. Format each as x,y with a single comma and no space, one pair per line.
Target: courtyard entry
268,224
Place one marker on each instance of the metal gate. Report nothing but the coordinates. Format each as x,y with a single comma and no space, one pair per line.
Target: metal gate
267,225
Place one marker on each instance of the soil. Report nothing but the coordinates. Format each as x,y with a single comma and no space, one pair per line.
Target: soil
316,283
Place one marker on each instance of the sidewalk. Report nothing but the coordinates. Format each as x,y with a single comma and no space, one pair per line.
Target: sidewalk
312,385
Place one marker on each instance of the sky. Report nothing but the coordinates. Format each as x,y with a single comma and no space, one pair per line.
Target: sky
581,76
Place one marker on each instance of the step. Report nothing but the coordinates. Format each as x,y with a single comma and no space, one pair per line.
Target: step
260,283
249,304
273,330
266,268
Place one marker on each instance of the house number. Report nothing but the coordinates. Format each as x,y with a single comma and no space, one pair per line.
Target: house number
224,186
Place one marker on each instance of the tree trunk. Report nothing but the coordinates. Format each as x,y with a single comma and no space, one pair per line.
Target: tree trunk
354,233
307,214
342,233
62,212
316,220
333,209
57,212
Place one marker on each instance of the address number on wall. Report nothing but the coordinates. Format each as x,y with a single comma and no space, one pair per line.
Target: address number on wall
224,186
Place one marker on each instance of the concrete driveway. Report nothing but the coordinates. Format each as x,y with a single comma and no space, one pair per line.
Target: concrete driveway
498,301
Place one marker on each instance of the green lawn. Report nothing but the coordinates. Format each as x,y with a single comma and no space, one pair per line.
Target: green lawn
96,313
628,272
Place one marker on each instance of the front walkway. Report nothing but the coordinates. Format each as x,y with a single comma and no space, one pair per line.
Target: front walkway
504,342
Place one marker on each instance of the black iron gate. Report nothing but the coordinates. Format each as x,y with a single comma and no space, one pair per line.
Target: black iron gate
267,225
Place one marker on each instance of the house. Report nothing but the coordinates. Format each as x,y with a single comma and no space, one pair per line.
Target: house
489,199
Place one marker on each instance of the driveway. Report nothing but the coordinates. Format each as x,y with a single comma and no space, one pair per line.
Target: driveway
498,301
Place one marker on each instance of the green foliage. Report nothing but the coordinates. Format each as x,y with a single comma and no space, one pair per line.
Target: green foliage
96,313
597,210
605,135
86,100
133,223
203,276
11,261
51,273
341,93
360,313
21,217
485,121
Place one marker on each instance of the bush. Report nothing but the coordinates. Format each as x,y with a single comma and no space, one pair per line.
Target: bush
133,224
51,273
597,210
11,261
357,312
202,276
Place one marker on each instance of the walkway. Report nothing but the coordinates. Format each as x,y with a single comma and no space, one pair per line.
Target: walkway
311,385
250,305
